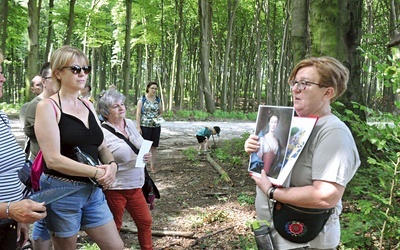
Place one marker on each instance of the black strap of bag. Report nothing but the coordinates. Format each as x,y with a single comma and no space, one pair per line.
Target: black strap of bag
112,130
148,180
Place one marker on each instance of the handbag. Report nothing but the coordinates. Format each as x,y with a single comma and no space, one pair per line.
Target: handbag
24,175
149,188
297,224
37,170
30,173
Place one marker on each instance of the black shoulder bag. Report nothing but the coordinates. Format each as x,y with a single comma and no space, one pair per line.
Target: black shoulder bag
150,190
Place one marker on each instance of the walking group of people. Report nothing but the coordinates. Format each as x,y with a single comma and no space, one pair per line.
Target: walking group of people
57,121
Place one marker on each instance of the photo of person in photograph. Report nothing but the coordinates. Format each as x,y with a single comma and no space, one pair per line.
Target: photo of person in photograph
273,139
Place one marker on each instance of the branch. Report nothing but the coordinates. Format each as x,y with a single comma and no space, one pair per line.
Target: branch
209,235
131,228
221,171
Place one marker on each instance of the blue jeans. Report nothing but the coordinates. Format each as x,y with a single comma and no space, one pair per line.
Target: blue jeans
84,209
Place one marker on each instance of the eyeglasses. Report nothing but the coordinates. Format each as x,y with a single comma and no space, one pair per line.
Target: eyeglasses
303,84
77,69
47,77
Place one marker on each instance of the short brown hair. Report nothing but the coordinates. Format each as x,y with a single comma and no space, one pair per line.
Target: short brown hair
149,85
332,73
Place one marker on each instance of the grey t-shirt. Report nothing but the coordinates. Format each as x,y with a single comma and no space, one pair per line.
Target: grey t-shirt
330,154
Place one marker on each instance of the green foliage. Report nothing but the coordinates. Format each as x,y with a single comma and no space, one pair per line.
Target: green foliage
191,154
373,211
245,199
200,115
10,109
252,116
168,114
245,242
88,246
232,151
184,113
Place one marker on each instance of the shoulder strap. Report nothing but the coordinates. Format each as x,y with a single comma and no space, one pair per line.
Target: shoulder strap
143,101
54,105
85,102
112,130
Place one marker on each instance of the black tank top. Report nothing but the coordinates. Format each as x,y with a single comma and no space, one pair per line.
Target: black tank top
73,132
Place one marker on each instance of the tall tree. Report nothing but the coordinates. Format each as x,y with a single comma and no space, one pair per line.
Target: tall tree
232,6
71,20
332,29
33,43
179,70
205,39
49,31
4,24
126,66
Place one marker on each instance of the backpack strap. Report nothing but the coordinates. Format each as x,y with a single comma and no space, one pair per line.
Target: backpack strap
143,100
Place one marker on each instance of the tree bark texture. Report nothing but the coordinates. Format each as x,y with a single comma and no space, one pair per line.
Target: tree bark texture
70,24
205,24
127,50
33,46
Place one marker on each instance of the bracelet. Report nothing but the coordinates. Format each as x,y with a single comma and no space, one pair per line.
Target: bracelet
115,164
271,193
95,173
8,210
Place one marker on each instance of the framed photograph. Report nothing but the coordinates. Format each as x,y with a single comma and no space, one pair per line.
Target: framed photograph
273,128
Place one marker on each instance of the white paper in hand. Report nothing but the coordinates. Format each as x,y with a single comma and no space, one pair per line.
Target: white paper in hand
144,149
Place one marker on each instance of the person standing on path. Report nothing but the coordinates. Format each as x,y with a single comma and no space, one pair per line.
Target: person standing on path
40,234
126,192
149,108
15,212
63,123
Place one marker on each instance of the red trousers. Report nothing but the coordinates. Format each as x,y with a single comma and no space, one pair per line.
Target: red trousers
134,202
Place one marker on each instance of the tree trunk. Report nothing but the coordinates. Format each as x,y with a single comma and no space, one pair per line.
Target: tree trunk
49,31
139,84
33,44
179,70
232,6
205,27
70,25
3,25
257,41
299,34
281,83
126,67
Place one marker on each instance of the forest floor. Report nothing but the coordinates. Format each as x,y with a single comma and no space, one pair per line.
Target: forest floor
197,208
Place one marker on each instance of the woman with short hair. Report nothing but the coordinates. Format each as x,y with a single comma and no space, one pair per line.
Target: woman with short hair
126,191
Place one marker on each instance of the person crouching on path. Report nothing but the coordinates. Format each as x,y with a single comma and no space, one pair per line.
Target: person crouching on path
203,137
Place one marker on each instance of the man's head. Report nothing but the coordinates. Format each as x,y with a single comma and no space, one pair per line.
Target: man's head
86,90
36,85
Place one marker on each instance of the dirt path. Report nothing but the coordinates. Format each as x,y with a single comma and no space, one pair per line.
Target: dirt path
193,197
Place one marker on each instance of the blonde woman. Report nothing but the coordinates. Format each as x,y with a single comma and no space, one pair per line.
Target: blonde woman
75,124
